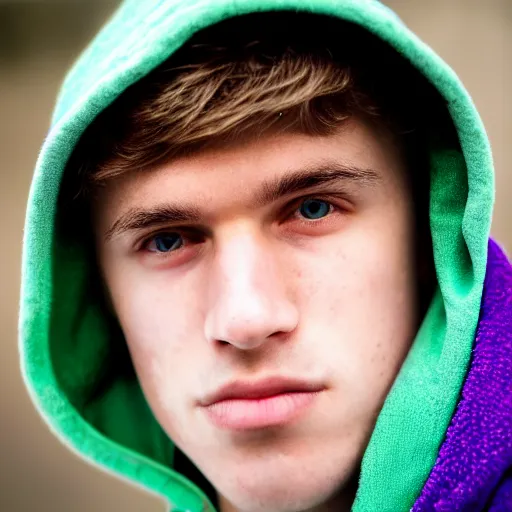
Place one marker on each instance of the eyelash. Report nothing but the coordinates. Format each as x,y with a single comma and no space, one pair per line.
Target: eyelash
292,208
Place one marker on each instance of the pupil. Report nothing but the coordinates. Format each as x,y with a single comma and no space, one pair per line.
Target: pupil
166,243
314,208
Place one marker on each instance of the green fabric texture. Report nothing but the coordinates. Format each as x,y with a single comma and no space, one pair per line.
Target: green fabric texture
65,339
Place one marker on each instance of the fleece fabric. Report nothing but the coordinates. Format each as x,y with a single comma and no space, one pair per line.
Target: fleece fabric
65,338
473,471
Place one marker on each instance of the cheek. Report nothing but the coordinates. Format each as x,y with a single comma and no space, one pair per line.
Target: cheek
157,321
362,304
154,308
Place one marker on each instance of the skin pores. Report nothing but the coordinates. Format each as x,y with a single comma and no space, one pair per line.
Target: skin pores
317,286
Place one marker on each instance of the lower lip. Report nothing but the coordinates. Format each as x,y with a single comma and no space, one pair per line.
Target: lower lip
254,413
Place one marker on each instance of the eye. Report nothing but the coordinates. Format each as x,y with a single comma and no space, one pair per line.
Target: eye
313,209
165,242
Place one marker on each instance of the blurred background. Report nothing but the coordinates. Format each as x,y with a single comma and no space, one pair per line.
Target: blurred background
39,40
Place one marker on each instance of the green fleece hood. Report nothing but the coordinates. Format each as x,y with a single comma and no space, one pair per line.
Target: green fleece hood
64,336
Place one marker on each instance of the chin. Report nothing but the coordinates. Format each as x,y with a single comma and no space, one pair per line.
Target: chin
282,485
284,496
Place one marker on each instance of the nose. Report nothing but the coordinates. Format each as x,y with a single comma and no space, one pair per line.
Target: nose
248,298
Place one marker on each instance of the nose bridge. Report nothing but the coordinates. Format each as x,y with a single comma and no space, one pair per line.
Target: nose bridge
248,290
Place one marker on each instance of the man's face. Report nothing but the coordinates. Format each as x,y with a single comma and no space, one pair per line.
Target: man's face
267,293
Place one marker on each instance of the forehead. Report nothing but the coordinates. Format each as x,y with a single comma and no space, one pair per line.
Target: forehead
234,172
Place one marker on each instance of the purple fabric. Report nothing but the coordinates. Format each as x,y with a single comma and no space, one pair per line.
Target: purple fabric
502,500
473,471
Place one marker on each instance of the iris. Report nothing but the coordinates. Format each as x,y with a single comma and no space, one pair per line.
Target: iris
314,208
167,242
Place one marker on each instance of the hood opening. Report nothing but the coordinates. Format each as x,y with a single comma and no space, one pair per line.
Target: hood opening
89,354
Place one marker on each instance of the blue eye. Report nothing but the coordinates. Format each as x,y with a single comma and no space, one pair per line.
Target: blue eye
314,208
166,242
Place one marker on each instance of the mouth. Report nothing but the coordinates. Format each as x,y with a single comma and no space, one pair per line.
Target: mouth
266,403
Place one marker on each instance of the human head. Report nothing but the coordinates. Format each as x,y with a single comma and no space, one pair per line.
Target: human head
338,307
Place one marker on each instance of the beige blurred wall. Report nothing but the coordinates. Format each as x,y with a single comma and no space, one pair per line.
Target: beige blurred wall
38,41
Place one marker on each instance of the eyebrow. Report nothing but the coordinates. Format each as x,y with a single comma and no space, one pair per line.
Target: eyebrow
269,192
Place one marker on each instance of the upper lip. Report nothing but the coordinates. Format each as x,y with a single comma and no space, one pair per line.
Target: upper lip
262,388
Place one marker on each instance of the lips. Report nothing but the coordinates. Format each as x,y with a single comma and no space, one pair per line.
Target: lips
243,405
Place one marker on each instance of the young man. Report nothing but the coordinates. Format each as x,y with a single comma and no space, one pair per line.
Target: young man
254,267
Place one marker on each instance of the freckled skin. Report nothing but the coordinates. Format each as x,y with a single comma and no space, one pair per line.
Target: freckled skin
265,294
